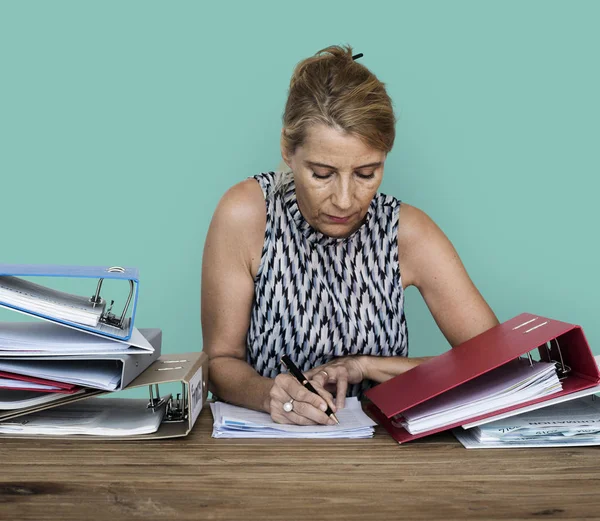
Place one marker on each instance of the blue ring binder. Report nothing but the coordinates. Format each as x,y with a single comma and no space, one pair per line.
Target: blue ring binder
110,326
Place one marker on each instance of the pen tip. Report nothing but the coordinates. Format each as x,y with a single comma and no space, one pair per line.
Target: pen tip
335,419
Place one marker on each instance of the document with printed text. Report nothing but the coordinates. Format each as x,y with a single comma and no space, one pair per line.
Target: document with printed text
231,421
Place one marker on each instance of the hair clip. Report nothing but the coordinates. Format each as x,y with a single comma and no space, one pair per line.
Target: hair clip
357,56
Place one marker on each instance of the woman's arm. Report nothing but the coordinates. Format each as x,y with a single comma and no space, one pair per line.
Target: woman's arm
429,261
231,258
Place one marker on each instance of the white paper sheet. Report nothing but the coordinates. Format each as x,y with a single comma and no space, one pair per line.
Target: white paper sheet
94,416
22,384
19,339
46,301
510,384
469,441
10,399
551,401
562,417
98,374
574,423
231,421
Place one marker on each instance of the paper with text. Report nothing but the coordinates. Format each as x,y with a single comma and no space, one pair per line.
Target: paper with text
231,421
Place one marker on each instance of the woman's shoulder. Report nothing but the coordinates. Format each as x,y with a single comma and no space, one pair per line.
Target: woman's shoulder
413,220
421,242
415,228
242,208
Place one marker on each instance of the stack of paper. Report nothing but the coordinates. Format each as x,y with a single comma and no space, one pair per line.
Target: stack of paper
15,381
43,352
101,374
95,416
511,384
568,424
45,301
27,339
231,421
14,399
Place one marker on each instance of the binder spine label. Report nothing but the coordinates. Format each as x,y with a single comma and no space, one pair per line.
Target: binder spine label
196,395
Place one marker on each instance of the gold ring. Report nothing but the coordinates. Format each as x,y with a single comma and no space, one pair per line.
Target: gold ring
325,373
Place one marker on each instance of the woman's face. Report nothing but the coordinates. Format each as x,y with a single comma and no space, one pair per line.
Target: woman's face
336,177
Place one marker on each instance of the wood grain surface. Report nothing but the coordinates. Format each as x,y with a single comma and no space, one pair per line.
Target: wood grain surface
198,477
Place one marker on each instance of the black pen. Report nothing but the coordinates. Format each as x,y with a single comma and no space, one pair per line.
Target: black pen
285,360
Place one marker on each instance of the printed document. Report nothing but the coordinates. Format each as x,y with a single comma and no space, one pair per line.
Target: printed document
511,384
42,300
98,374
572,423
231,421
14,399
20,339
94,416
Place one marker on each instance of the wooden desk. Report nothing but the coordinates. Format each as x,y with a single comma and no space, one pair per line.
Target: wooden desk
201,478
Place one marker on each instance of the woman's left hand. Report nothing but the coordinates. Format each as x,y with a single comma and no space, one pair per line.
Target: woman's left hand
335,376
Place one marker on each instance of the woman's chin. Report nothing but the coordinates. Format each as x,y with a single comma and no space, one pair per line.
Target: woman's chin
337,231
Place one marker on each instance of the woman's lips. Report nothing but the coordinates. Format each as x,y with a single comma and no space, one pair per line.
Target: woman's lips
339,219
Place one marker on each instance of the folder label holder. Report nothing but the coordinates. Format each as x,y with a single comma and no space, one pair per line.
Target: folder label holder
197,385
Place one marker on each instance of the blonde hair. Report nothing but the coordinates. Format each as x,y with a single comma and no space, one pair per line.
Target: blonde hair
332,88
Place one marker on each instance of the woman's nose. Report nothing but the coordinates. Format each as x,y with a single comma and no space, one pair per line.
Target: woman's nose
342,197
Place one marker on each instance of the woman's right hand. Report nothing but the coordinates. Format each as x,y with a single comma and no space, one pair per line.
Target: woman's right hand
307,407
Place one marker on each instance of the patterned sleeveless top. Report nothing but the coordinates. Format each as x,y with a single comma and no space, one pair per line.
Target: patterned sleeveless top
318,297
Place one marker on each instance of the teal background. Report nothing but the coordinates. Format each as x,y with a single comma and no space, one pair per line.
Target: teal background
123,122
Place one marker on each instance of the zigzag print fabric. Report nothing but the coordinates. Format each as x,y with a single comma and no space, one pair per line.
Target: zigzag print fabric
317,297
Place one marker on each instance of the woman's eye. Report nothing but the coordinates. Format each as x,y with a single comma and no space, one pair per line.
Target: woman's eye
322,176
365,176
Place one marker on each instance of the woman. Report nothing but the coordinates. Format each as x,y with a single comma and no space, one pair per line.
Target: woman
314,264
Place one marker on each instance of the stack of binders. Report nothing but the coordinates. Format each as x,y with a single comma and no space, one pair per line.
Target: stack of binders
54,370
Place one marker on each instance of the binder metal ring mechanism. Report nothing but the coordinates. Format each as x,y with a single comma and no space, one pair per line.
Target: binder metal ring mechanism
562,369
91,314
553,341
182,411
107,317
